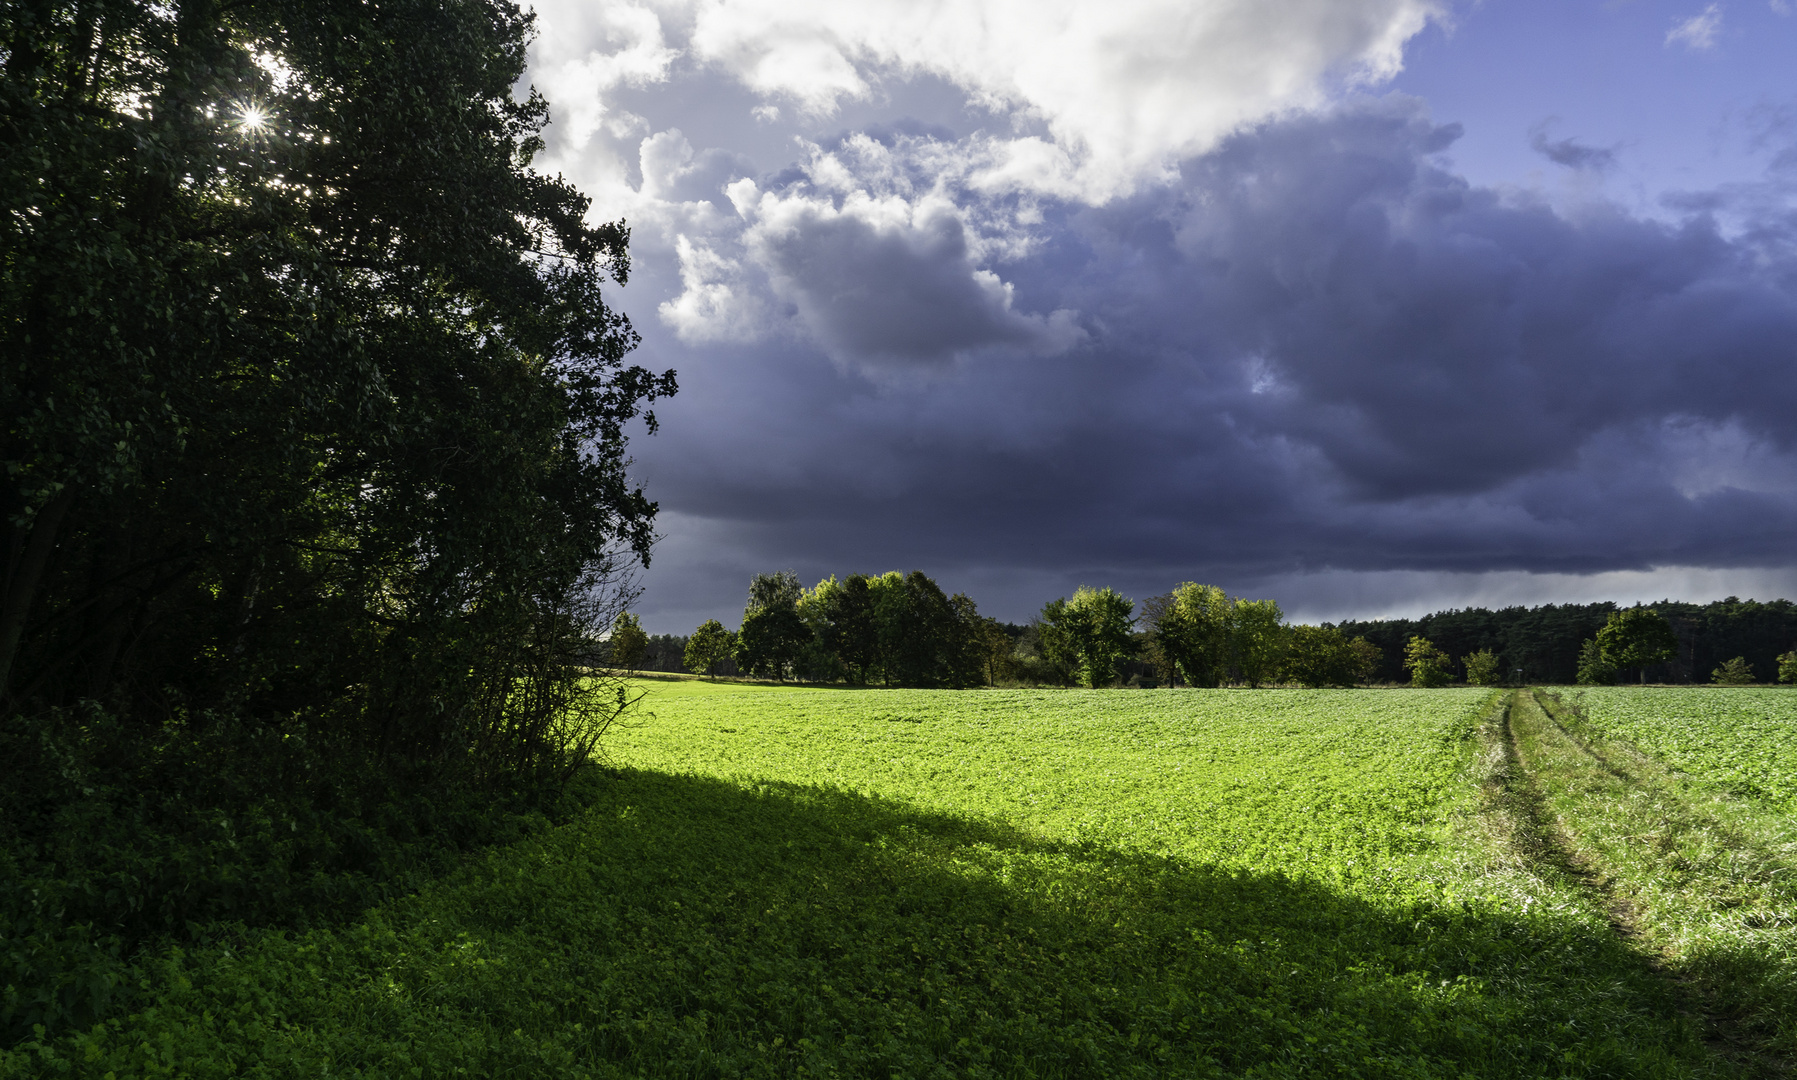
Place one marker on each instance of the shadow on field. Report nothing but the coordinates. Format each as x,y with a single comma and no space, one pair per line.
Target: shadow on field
692,926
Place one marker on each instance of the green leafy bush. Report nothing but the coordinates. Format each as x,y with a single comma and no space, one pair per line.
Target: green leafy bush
1482,668
1595,669
1427,664
1736,672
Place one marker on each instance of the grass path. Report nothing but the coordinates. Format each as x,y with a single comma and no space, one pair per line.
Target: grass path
1689,882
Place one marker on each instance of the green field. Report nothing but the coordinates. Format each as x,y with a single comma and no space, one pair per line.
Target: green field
782,882
1735,739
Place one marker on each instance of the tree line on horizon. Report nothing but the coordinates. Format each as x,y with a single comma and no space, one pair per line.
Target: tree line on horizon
1197,635
901,630
1550,643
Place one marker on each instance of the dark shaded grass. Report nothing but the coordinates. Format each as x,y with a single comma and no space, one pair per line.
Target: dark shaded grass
117,841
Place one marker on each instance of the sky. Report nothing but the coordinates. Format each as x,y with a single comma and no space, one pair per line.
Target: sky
1373,307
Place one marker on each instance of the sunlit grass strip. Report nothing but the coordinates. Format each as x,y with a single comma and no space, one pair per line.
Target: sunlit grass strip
1698,879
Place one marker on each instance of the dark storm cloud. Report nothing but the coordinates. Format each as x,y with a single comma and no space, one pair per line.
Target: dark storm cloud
1320,349
871,291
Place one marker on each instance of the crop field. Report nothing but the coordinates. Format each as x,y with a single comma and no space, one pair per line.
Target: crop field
1667,800
1398,883
1742,740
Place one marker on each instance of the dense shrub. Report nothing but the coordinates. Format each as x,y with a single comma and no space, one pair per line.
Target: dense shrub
315,489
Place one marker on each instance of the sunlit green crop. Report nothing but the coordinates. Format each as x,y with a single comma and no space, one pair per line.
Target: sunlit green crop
1738,739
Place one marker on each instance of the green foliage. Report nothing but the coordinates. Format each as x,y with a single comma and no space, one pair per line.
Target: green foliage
1318,656
770,640
1594,670
1544,641
1191,627
1636,638
1483,669
1088,636
1787,667
995,651
1205,637
314,493
323,418
842,618
1257,640
1736,672
1166,883
1428,666
627,642
709,646
1741,742
776,590
897,629
773,633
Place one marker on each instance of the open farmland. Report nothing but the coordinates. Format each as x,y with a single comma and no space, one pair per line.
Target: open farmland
1156,883
1738,740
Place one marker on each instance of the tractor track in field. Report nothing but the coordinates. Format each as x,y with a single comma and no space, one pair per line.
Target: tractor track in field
1555,844
1540,835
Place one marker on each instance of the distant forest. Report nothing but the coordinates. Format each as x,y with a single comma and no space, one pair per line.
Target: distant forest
1544,641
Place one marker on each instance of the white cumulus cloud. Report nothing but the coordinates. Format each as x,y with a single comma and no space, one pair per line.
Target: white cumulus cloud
1117,92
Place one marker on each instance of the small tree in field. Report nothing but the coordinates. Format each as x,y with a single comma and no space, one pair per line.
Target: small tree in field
709,646
1428,665
1365,658
1736,672
1482,668
770,641
627,642
1787,667
1191,631
1323,656
773,632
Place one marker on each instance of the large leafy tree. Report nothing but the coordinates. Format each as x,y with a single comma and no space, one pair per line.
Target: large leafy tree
1637,637
1090,633
1191,626
1258,640
315,408
773,632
